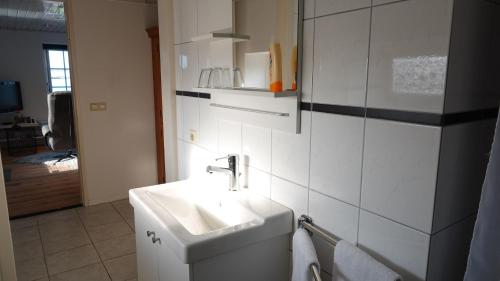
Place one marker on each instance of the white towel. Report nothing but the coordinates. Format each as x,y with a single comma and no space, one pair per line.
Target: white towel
352,264
304,255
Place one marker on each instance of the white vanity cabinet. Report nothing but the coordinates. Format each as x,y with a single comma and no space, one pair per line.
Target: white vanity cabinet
155,262
265,260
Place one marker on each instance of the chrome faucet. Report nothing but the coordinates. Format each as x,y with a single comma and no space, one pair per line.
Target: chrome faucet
233,170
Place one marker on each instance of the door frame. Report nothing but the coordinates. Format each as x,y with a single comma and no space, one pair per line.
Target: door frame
7,264
153,33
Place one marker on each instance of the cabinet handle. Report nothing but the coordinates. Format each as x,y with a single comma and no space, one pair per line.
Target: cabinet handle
149,233
154,239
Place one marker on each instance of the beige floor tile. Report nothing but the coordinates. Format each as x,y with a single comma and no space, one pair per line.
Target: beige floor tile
122,268
94,272
116,247
71,259
61,230
131,223
109,231
78,239
124,208
101,218
22,223
30,270
25,234
94,209
28,250
63,215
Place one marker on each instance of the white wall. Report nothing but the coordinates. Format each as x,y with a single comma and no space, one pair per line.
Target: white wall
166,31
22,59
111,58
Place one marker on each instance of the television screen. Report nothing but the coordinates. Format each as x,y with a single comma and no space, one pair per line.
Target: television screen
10,96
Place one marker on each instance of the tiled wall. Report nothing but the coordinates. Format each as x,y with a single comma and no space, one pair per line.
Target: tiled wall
406,192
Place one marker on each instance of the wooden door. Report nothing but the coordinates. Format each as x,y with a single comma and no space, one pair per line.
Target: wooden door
160,149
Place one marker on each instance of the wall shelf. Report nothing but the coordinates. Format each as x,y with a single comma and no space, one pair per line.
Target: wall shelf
248,91
215,36
255,107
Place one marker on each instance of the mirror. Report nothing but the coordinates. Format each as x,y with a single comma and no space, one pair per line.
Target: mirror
265,49
270,53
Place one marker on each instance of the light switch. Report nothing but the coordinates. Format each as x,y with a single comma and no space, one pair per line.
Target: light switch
98,106
193,136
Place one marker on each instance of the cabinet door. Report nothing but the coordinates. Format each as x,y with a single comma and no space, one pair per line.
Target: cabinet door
147,256
215,15
170,268
185,20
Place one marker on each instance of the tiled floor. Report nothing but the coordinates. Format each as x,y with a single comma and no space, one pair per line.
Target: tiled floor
93,244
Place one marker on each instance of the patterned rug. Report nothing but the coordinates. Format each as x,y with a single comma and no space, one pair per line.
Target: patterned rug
44,158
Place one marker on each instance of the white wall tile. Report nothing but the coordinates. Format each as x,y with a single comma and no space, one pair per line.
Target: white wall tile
473,53
401,248
462,166
215,54
340,58
190,119
380,2
178,68
229,138
178,116
325,7
290,153
308,60
400,171
214,15
256,146
188,63
336,217
449,251
309,8
408,55
257,181
181,161
324,251
196,160
208,126
290,195
336,156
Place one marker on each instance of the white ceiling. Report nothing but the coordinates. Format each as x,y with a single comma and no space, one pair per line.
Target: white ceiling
33,15
39,15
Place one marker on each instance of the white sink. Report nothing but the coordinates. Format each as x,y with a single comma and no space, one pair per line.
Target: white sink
201,212
200,218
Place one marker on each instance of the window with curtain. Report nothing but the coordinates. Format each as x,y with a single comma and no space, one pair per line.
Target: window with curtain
58,69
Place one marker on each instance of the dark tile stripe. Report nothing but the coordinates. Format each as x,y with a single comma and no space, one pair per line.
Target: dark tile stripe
339,109
190,94
205,96
305,106
463,117
423,118
193,94
405,116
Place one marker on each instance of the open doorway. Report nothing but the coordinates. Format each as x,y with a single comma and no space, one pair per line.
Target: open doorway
37,128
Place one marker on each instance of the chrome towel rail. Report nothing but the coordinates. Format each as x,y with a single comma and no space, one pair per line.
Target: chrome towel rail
250,110
307,223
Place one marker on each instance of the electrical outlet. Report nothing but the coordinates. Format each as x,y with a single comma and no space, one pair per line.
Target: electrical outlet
98,106
193,136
